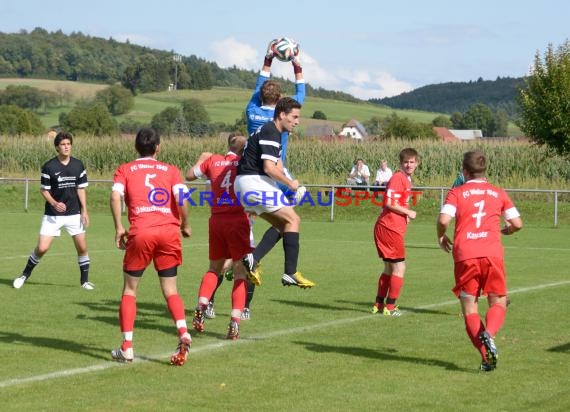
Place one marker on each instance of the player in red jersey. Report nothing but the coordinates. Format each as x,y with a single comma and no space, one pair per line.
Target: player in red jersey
389,232
228,231
477,251
152,191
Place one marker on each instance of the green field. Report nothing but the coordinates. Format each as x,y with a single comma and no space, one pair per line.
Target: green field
311,350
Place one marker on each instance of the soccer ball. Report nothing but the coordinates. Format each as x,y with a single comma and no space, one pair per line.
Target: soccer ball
285,49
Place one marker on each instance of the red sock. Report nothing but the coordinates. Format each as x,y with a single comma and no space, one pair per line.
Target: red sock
127,315
495,318
396,284
474,327
383,285
176,309
208,285
238,294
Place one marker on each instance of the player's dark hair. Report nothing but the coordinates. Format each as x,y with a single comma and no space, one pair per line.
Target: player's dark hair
475,163
236,142
285,105
270,93
408,153
62,136
147,141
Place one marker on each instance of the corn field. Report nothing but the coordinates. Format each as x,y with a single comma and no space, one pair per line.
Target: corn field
512,164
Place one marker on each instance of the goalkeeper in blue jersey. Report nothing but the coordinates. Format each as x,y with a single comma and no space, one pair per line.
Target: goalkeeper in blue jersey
260,110
261,106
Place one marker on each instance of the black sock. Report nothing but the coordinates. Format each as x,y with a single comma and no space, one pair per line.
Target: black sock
291,249
249,296
268,241
33,261
220,280
84,268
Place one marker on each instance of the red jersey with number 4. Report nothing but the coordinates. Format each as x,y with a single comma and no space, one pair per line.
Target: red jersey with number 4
222,171
398,192
149,187
477,207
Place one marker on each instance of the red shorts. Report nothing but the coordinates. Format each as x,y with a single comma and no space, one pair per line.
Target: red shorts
389,244
229,236
160,244
480,276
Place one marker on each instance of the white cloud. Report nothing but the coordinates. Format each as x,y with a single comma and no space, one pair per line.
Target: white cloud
229,52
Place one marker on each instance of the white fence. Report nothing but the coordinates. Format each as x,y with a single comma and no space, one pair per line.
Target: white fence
329,188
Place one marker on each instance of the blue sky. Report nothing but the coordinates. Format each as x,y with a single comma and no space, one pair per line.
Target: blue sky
370,49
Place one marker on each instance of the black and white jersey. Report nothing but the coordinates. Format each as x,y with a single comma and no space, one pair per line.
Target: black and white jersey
62,181
264,144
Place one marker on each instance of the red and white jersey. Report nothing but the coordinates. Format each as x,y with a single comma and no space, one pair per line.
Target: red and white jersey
149,188
221,171
477,207
398,191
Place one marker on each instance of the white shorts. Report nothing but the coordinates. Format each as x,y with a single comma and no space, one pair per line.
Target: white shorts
259,194
51,225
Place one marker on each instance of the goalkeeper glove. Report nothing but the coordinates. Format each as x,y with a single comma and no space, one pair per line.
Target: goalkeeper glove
297,64
269,54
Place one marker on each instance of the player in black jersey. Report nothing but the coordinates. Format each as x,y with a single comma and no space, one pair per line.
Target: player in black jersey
63,184
259,172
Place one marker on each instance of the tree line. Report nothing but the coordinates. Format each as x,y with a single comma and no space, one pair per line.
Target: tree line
541,98
497,95
80,57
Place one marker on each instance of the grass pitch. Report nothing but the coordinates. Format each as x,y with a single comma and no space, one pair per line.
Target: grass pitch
311,350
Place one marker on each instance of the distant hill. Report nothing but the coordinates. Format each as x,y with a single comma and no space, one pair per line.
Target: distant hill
41,54
459,96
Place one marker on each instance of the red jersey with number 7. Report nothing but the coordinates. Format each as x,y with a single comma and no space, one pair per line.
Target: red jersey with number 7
477,207
148,187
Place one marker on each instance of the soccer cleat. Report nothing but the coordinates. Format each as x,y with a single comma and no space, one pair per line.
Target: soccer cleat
233,330
229,274
486,367
377,308
210,313
19,281
394,312
121,355
492,353
252,268
296,279
180,357
198,321
245,315
88,286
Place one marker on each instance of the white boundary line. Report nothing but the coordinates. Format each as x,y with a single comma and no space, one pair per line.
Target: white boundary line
219,345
